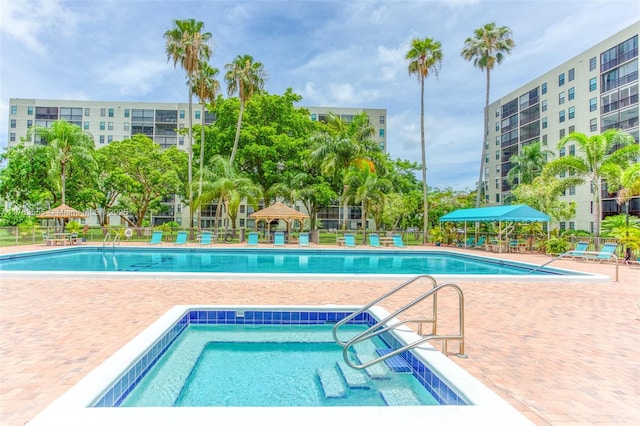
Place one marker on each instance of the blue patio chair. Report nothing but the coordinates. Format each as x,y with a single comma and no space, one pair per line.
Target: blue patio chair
303,240
181,238
206,238
374,241
397,241
479,243
156,238
468,243
252,239
278,239
578,252
605,255
349,240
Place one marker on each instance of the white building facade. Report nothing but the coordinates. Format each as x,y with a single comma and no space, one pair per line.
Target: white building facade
590,93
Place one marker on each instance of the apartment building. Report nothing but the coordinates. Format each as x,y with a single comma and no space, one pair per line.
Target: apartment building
590,93
109,121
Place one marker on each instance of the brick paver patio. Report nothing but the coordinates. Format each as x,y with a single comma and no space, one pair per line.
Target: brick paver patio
561,353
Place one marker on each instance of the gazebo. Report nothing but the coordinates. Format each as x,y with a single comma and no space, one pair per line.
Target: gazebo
62,212
279,211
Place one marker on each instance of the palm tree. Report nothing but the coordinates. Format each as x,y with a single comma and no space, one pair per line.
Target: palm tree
246,77
425,56
66,145
598,153
205,87
187,44
529,164
486,48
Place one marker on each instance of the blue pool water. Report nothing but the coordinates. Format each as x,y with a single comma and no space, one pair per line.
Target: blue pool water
262,261
297,365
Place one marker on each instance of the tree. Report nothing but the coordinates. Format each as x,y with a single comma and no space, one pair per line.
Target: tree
66,147
206,88
528,165
425,56
187,44
245,77
544,193
596,153
487,48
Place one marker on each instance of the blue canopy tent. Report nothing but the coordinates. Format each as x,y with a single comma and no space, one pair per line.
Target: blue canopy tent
514,213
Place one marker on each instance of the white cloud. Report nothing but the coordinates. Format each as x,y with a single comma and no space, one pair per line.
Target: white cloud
134,77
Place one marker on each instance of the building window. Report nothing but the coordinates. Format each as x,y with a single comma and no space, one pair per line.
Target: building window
381,119
544,88
103,112
497,126
593,104
102,125
572,150
544,106
181,141
572,93
592,64
110,125
497,168
544,122
572,129
544,140
486,158
486,173
126,126
497,183
593,84
12,137
381,133
13,123
110,112
561,80
572,225
572,73
197,115
29,110
593,125
562,226
497,140
560,98
29,124
86,125
182,114
561,116
497,154
572,190
563,152
126,113
572,112
109,138
497,198
87,112
101,138
14,109
562,133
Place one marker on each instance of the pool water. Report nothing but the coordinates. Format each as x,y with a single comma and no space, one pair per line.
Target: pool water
224,365
262,261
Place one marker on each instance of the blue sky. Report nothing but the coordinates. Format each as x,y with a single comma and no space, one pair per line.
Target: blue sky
333,53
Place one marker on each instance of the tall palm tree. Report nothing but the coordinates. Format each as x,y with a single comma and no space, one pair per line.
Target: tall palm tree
245,77
66,145
486,49
597,153
206,88
528,164
187,44
425,57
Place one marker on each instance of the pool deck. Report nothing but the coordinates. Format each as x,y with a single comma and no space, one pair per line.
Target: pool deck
562,353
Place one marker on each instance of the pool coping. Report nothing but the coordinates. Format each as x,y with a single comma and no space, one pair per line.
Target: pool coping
571,276
73,408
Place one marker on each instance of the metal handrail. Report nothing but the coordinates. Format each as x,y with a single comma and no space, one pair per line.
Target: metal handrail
577,253
107,239
382,327
384,296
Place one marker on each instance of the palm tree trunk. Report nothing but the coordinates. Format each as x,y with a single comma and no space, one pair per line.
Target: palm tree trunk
235,141
201,164
190,154
597,183
425,220
345,209
484,136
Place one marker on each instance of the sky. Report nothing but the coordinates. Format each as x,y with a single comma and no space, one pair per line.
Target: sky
334,53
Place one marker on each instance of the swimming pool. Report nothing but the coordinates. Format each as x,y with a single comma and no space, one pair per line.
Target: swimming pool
275,262
95,399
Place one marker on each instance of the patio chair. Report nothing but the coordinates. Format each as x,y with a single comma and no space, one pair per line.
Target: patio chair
480,243
578,252
349,240
397,241
303,240
46,239
181,238
469,243
206,238
156,238
278,239
252,239
374,241
604,255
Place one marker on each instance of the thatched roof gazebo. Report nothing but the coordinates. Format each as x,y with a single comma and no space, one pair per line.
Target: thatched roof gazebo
61,213
279,211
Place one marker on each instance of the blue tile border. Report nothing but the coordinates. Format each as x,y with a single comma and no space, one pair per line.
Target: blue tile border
116,394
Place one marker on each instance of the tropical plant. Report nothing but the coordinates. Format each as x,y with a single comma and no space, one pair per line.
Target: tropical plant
486,49
528,165
544,193
425,57
597,153
206,88
66,146
188,45
245,77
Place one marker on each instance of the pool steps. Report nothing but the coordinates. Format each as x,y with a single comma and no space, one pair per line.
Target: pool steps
399,396
355,379
331,383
